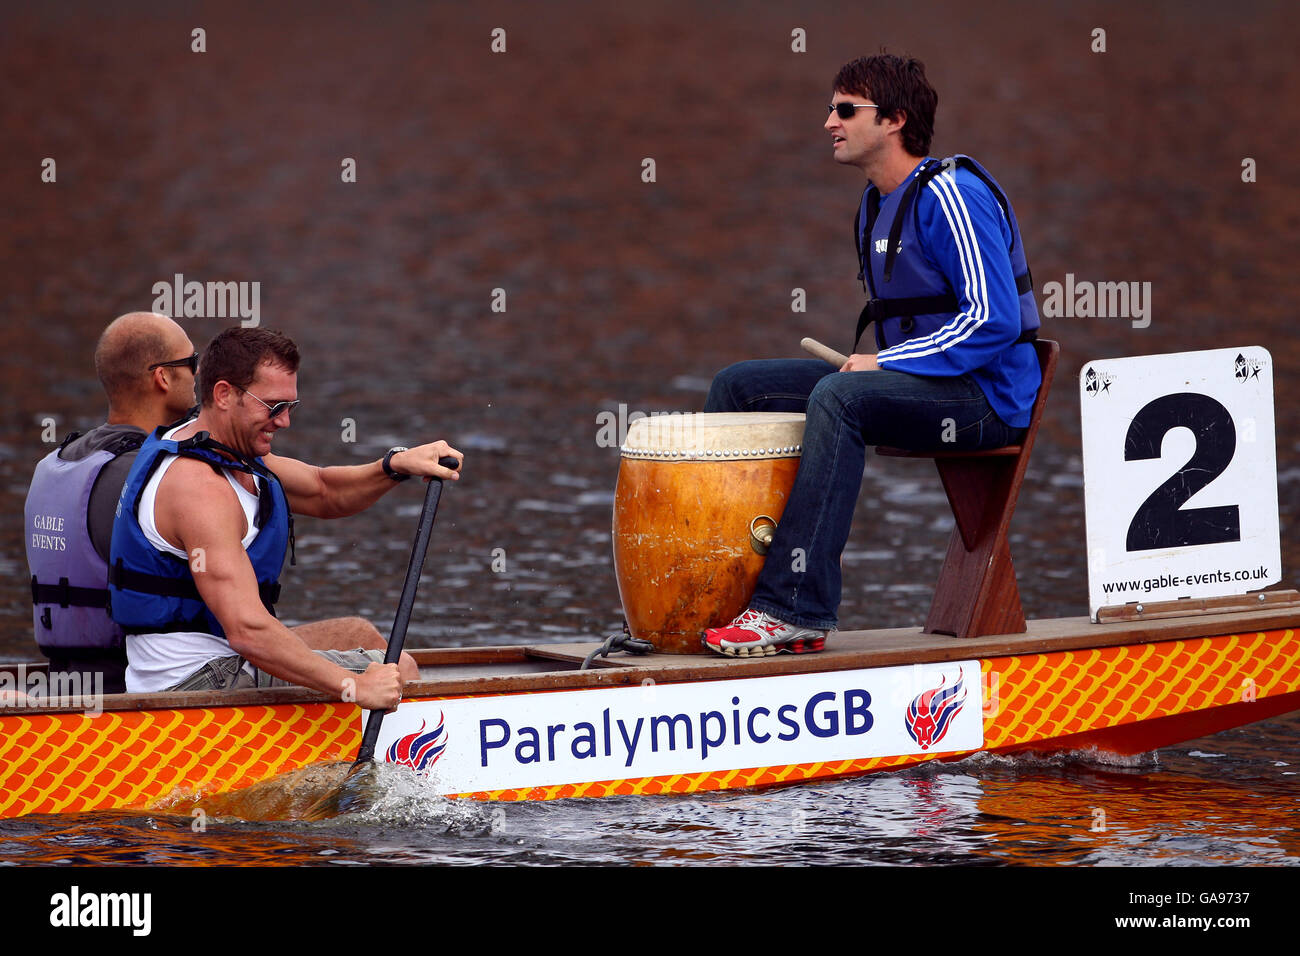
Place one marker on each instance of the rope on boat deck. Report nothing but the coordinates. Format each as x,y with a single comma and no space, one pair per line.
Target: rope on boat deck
619,642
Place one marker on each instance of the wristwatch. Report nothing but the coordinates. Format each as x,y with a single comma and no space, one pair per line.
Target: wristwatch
388,467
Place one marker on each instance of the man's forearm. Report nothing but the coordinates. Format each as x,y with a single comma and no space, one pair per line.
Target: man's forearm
275,649
349,489
341,490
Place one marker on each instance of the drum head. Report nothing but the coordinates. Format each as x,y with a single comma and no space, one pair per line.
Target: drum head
713,436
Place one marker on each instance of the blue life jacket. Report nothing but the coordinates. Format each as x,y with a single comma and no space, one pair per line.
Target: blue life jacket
69,578
153,591
910,298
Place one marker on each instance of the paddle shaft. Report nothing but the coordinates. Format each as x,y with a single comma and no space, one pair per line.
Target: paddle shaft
375,718
824,352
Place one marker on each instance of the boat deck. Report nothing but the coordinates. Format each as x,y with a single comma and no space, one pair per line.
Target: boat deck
454,672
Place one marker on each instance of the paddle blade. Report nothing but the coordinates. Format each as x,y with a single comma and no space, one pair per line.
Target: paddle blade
359,791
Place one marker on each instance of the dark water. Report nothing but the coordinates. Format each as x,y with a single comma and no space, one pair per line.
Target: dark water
522,171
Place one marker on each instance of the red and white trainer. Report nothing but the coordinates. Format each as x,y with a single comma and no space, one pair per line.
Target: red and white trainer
759,634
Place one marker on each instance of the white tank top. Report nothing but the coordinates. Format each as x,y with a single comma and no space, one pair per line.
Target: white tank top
247,500
158,661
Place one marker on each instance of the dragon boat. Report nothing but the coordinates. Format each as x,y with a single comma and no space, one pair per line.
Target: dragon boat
528,722
548,721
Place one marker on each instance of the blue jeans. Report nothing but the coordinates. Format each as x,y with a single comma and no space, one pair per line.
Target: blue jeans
800,581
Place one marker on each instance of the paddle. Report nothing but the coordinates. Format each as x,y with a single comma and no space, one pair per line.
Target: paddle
351,791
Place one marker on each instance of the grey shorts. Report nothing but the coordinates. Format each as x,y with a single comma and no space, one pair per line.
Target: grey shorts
227,673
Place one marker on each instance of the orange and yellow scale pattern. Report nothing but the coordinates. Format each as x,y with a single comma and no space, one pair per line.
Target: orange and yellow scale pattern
74,762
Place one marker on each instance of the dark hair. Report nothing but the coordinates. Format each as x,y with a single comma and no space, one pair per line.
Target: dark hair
235,354
896,85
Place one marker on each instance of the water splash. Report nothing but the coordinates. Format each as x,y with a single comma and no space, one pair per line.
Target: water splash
392,796
1088,757
404,798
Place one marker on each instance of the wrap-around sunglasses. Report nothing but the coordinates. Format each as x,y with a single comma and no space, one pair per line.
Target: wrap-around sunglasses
849,110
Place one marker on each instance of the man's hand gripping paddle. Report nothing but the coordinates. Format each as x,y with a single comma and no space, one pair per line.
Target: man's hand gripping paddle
354,792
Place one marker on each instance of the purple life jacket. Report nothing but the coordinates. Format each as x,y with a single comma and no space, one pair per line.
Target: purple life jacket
69,578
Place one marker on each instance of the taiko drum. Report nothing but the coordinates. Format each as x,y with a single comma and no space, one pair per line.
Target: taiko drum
698,498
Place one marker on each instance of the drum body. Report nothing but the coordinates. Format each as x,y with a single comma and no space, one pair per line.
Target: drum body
691,489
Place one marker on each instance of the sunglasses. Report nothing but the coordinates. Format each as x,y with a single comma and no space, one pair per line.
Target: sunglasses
276,410
849,110
191,361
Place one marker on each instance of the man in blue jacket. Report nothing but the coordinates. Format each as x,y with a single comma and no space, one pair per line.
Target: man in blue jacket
954,368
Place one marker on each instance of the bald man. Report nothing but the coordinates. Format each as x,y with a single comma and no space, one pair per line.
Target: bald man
146,364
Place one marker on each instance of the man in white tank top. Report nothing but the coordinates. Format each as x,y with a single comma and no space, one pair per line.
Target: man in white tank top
248,387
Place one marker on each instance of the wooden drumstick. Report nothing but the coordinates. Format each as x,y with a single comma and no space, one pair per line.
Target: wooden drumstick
824,352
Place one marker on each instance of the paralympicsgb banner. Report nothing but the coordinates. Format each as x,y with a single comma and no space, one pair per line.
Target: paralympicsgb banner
517,741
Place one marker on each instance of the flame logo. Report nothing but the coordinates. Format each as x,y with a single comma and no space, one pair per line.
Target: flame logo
931,713
419,751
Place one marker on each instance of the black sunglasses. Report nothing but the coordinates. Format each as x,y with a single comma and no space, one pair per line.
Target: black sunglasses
849,110
191,360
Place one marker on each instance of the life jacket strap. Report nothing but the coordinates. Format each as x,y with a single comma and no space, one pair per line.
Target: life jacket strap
126,579
64,595
126,443
877,310
205,448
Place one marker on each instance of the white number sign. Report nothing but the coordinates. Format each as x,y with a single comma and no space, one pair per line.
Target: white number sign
1180,476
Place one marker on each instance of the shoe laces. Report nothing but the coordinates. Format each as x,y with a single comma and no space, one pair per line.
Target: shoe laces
758,620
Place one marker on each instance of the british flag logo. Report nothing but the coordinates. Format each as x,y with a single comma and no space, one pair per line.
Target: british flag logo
419,751
931,713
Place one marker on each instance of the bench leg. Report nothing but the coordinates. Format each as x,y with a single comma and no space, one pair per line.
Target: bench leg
977,592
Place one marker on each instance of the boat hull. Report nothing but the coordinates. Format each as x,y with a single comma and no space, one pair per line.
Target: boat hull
75,762
1125,698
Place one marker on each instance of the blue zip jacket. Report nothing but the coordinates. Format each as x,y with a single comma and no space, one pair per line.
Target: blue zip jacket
956,238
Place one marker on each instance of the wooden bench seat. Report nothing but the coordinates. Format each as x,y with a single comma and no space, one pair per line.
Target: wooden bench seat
977,594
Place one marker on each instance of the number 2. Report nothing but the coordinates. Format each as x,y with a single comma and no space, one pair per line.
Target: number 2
1161,522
